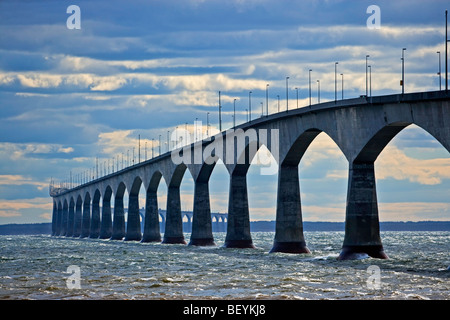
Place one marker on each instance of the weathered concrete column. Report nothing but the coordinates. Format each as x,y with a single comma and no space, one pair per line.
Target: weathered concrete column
118,231
238,226
95,220
58,221
289,224
133,221
85,224
106,223
65,219
362,228
54,218
77,221
201,221
174,223
71,221
151,221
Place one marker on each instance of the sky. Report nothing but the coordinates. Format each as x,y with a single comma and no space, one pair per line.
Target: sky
142,68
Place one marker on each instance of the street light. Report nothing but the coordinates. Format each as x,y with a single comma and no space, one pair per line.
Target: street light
234,113
367,56
278,96
296,89
403,70
220,115
439,72
318,91
335,81
250,105
370,81
310,87
287,94
342,86
267,99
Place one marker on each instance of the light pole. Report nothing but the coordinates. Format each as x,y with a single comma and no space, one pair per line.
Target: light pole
318,91
250,105
262,109
278,97
439,72
370,81
367,56
159,145
220,115
335,81
267,99
234,113
296,89
287,94
342,86
403,70
310,87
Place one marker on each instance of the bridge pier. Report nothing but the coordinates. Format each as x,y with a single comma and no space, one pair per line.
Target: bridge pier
77,220
54,218
86,222
238,226
58,220
71,220
65,219
201,221
133,221
106,222
95,219
289,224
151,221
118,231
362,228
174,223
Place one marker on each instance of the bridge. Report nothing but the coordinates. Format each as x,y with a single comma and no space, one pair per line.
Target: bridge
361,128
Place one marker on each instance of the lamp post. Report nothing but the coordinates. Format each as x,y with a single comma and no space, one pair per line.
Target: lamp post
318,91
342,86
234,113
250,105
367,56
287,94
310,87
267,99
296,89
335,81
403,70
439,71
220,115
159,145
278,96
370,81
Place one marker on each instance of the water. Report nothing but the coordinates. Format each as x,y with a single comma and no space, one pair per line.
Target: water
35,267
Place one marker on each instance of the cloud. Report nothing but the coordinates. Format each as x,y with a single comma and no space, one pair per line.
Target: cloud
393,163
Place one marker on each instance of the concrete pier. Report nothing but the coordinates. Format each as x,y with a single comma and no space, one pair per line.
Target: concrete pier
78,219
362,229
134,220
289,224
106,221
118,232
86,222
95,217
151,220
238,226
174,224
201,221
71,220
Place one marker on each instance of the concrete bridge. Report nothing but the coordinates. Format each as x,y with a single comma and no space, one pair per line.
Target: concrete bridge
361,128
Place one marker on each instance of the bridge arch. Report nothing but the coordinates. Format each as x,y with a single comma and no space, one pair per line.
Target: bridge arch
71,217
78,216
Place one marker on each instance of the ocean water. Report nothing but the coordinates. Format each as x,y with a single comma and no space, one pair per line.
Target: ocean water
45,267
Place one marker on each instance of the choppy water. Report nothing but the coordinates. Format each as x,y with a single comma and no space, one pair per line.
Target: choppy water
35,267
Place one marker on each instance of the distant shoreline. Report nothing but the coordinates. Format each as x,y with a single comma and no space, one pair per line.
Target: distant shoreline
255,226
